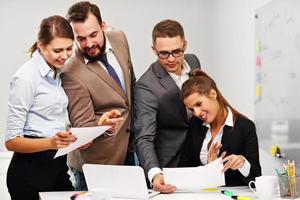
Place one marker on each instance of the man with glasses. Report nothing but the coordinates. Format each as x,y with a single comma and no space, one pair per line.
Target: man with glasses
161,120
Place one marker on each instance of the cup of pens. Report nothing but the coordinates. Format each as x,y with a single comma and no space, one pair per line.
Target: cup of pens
289,186
289,182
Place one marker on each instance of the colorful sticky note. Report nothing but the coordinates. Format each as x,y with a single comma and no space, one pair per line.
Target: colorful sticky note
258,77
257,90
257,45
258,61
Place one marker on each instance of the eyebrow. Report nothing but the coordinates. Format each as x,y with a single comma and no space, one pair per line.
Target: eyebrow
82,37
171,50
63,48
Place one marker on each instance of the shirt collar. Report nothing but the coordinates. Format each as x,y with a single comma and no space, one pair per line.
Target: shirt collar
228,120
108,48
43,66
184,71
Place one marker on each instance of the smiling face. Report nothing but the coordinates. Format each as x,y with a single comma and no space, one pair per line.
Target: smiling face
90,37
57,51
175,46
204,107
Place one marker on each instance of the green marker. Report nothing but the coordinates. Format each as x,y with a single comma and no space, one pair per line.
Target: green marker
227,193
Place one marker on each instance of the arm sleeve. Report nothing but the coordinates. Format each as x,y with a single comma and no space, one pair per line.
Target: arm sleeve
146,109
21,95
251,153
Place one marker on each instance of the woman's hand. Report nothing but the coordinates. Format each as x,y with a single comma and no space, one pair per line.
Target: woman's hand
160,186
111,118
62,139
213,151
233,162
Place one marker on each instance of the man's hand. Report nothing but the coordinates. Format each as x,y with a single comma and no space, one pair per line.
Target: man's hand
111,118
160,186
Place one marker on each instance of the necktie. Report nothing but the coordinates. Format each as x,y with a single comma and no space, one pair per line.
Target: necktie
111,70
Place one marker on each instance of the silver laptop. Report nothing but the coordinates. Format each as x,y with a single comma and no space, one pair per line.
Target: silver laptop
119,181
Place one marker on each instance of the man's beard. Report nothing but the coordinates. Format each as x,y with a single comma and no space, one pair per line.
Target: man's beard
98,56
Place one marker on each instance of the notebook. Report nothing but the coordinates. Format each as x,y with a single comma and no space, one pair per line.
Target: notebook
119,181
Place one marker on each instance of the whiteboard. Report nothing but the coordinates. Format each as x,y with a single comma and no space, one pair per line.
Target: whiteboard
277,27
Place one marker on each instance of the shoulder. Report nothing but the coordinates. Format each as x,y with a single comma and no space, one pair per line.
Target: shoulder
74,64
116,36
244,122
192,60
27,73
244,126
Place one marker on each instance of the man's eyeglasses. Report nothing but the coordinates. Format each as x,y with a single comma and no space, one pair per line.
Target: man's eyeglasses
165,54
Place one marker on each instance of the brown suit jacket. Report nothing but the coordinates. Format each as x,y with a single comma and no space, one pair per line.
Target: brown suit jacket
92,91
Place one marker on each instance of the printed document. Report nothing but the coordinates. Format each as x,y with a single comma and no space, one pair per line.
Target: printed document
193,179
84,135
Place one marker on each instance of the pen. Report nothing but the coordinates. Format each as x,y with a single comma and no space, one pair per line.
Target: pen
277,172
241,197
210,189
227,193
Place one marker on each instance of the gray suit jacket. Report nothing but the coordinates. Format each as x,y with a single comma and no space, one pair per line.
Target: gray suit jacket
92,91
160,117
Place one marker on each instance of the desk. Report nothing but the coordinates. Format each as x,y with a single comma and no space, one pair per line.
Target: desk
244,191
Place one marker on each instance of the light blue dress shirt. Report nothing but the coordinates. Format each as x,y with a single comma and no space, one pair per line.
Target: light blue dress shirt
37,104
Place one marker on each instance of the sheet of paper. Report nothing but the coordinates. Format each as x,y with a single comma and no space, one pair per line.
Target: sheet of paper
193,179
84,135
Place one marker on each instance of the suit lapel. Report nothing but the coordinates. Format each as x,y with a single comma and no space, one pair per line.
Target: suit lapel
122,61
169,84
95,67
227,131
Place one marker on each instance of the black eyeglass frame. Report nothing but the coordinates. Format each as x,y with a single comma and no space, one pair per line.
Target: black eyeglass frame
165,54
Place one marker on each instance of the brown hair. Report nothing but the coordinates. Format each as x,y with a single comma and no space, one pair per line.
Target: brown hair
51,27
79,12
167,28
201,83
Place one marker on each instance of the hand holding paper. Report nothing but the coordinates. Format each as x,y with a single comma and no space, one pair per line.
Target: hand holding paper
84,135
196,178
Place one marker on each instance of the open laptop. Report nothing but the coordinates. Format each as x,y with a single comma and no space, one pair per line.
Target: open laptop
119,181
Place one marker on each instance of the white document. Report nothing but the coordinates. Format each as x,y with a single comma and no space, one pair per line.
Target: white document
193,179
84,135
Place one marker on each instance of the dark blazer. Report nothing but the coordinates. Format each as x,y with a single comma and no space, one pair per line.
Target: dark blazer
160,117
240,140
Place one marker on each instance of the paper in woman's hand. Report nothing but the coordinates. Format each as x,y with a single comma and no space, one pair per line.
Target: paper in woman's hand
84,135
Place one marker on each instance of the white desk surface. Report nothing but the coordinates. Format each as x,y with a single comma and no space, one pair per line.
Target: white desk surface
243,191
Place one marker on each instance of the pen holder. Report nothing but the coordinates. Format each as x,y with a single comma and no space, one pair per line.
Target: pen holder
289,186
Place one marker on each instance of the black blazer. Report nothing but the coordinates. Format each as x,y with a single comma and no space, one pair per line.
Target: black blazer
240,140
